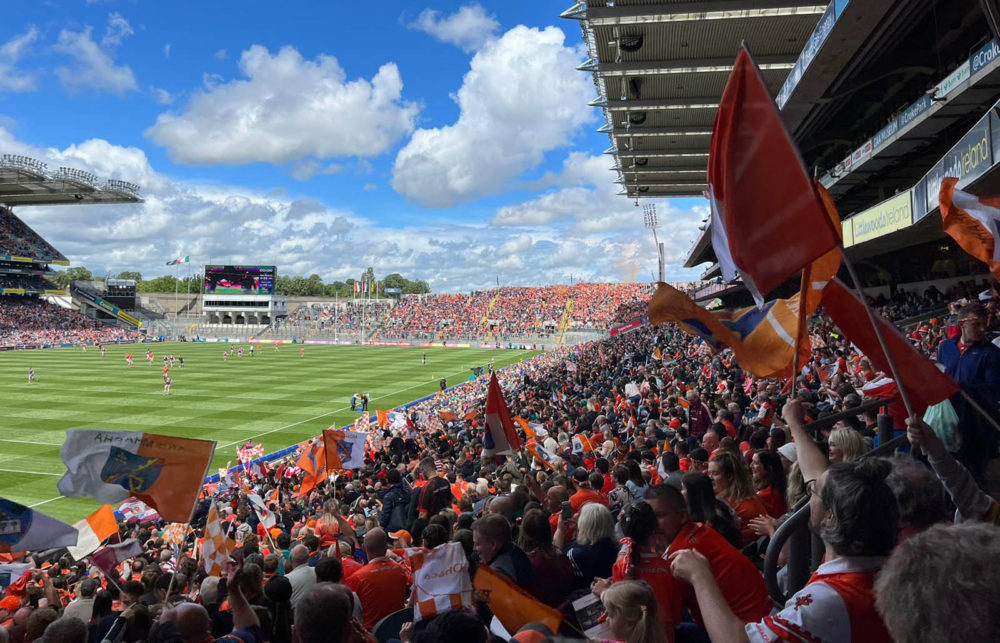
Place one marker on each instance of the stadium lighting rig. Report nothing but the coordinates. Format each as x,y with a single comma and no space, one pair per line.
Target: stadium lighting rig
20,162
651,219
78,176
117,185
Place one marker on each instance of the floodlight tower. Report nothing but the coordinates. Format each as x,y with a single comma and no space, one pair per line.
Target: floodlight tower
650,219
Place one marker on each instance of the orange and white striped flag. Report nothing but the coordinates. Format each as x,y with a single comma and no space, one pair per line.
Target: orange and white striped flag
973,222
216,546
175,533
441,581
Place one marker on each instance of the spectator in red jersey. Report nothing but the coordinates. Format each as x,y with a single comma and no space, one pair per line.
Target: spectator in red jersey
855,513
382,585
769,480
731,482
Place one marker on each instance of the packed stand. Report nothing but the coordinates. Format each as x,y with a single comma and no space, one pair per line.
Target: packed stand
18,240
26,282
655,475
346,317
29,321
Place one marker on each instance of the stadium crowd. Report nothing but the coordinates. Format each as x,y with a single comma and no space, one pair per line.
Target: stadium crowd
656,474
510,312
29,321
18,240
26,282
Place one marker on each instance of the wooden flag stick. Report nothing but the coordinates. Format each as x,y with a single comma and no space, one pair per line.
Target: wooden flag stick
890,360
800,329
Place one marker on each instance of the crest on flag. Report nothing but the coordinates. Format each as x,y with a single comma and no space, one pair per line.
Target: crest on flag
345,449
134,473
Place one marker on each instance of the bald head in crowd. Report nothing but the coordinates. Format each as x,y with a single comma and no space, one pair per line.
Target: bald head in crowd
323,614
298,556
375,543
193,622
503,506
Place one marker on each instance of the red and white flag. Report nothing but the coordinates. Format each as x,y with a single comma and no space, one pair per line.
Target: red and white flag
973,222
500,438
768,221
250,453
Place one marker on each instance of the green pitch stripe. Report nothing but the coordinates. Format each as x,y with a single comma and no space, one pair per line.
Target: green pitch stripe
274,398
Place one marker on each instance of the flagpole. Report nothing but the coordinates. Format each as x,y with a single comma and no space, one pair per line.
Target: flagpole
194,507
801,327
890,360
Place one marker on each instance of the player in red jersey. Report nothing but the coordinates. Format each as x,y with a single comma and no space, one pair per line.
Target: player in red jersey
128,358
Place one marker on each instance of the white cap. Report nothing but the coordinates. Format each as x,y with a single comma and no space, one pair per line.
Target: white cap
789,450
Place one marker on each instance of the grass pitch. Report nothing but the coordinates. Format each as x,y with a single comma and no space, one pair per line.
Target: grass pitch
274,398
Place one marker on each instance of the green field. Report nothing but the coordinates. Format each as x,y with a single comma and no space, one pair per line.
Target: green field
274,398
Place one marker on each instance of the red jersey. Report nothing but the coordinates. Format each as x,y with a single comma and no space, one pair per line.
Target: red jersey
382,586
741,584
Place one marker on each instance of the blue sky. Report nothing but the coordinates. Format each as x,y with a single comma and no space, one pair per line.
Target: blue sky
450,142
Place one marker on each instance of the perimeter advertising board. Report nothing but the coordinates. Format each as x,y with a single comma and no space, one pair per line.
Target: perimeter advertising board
890,215
968,159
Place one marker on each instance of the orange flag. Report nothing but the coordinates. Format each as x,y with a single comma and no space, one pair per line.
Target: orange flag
313,464
973,222
513,606
383,418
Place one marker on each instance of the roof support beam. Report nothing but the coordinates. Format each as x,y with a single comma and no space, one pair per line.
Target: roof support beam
692,66
704,10
710,102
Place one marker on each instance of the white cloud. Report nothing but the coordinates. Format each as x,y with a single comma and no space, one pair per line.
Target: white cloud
117,30
303,236
287,109
94,68
11,52
305,170
162,96
469,28
166,50
222,54
586,205
521,98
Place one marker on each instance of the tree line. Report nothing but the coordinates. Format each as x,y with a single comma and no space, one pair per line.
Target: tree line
296,286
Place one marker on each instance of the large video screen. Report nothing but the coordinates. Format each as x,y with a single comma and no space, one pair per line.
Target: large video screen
239,280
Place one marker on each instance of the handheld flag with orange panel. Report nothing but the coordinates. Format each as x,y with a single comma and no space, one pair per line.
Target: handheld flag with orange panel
313,465
513,606
383,418
441,580
216,546
768,221
110,466
973,222
500,438
344,449
93,530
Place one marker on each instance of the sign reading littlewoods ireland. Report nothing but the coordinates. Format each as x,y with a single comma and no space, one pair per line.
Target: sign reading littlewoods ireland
888,216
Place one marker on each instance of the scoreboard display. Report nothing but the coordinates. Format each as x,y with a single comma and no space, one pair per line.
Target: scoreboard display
239,280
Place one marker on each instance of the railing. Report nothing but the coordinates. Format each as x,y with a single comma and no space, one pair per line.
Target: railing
805,549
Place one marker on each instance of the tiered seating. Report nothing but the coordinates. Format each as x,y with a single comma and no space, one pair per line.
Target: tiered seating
18,240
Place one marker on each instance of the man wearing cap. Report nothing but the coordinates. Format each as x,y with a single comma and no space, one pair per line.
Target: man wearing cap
699,461
82,607
974,364
401,539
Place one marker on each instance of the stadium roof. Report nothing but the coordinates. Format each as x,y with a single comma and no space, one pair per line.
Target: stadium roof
882,91
27,181
660,66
